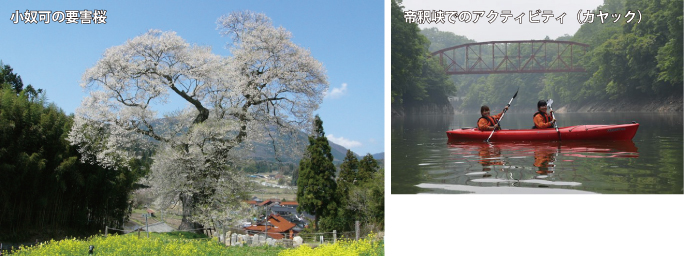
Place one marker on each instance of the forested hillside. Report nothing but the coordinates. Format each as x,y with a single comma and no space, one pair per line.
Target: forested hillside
629,66
627,61
418,82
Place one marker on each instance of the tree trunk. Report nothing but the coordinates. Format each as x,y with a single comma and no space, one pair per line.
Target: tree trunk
188,207
315,224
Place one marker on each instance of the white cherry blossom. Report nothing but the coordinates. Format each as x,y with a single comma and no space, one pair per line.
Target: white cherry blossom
267,88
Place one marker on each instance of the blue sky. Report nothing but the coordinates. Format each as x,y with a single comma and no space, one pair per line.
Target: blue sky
346,36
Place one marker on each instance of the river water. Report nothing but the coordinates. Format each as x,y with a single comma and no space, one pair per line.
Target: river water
423,161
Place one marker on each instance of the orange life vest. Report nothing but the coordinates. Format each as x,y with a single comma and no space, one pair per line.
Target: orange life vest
547,118
492,121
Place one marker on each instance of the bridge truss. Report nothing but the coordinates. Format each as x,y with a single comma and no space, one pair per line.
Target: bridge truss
541,56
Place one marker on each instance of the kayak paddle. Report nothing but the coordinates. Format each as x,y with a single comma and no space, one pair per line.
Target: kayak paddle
555,124
504,113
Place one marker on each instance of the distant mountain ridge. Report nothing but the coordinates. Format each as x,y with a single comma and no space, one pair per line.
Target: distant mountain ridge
338,149
265,152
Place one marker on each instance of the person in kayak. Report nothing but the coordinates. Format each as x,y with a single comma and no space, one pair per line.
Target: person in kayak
541,118
487,122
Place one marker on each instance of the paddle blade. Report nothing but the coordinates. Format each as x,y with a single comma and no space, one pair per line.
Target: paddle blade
549,102
516,93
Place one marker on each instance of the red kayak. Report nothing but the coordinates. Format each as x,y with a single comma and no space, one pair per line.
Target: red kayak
577,132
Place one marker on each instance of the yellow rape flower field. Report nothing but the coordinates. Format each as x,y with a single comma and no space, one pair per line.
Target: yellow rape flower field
367,246
183,243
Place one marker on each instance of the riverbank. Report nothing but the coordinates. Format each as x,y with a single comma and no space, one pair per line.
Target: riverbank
430,108
674,103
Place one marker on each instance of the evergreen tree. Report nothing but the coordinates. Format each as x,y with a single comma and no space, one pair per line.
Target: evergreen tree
360,187
316,187
295,177
367,167
9,77
346,181
348,169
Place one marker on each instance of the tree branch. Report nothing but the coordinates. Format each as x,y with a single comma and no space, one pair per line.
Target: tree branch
203,112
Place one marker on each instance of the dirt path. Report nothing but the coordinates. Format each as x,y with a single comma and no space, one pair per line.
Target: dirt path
137,220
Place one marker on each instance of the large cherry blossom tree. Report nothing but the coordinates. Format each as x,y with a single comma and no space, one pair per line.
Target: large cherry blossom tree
267,87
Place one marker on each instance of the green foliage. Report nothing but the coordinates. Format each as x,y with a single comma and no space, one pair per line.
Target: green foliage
348,172
624,61
436,83
408,55
367,167
362,195
416,77
295,177
10,78
316,187
497,89
44,184
368,199
442,39
627,60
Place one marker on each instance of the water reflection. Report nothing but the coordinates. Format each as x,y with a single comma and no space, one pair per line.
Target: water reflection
423,162
543,166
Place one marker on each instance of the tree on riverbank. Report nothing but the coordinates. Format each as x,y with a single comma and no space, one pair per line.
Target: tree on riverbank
417,79
627,61
268,87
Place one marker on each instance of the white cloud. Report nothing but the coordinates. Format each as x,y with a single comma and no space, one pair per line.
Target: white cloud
337,92
343,142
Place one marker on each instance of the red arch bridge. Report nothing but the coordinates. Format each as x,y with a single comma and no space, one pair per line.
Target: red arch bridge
541,56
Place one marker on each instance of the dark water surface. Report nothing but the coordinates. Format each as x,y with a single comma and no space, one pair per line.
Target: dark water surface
423,161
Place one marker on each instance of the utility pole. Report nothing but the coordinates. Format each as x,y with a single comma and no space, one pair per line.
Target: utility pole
147,226
266,232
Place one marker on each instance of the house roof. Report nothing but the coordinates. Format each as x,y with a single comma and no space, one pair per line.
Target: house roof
268,202
292,203
276,208
271,233
278,225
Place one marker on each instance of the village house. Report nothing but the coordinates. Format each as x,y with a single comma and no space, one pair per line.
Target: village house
275,227
284,210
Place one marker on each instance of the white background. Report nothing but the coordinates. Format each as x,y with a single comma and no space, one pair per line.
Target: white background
434,224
